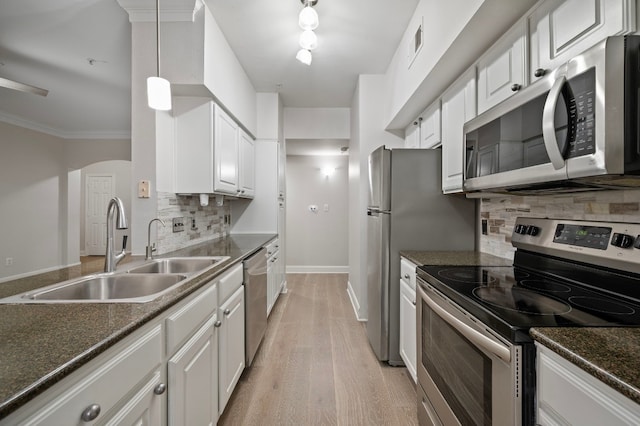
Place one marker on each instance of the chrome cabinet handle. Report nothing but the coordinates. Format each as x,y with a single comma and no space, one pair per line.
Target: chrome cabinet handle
160,389
414,303
539,72
226,312
217,324
475,336
90,413
406,276
516,87
548,124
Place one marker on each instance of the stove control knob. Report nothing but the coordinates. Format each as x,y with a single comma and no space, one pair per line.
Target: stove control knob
533,230
621,240
637,243
521,229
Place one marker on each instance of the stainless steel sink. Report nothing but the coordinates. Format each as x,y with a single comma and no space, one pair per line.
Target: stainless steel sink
116,288
178,265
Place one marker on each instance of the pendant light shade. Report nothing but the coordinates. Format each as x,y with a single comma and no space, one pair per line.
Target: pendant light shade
159,93
304,56
158,89
308,40
308,18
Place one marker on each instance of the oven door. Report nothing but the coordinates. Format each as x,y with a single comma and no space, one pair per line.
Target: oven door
468,375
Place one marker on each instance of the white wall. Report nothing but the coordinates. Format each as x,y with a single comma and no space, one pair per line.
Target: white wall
36,173
317,242
317,123
367,134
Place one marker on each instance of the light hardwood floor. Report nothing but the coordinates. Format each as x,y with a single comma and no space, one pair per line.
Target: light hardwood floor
315,366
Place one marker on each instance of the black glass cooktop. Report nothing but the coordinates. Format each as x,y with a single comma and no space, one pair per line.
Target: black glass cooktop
513,299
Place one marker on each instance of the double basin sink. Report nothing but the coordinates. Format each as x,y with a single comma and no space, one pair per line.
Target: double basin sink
138,284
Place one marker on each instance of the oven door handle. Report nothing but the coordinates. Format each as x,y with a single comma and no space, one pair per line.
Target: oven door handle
475,336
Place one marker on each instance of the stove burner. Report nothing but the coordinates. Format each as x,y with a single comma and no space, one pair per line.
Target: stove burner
545,285
467,276
602,305
521,300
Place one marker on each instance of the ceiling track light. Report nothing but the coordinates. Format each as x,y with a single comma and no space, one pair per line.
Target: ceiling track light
308,21
158,88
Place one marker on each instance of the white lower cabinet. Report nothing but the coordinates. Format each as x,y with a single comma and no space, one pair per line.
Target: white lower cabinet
408,350
105,389
275,274
568,395
193,379
231,357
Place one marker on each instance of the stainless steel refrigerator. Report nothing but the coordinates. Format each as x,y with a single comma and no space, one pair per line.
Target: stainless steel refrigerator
406,211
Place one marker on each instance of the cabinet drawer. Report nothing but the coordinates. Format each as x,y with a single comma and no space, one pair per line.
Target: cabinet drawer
107,385
272,247
181,324
408,272
229,283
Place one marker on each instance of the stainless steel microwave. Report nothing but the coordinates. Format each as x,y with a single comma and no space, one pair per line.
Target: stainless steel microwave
575,129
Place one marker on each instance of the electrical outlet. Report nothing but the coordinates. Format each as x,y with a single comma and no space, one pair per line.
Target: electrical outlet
8,261
193,224
178,224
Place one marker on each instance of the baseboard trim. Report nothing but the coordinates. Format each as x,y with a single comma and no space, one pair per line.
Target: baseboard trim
317,269
354,302
39,271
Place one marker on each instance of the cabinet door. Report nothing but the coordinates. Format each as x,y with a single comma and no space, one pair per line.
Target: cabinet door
226,153
193,379
247,165
430,135
412,134
408,327
282,166
144,408
501,71
458,107
231,361
561,29
194,158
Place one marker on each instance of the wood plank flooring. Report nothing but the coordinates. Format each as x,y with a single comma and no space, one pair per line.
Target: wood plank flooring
315,366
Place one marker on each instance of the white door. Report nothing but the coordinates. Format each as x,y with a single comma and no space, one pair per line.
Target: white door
99,190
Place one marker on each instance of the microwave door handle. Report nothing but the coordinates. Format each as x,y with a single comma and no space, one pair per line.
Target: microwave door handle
548,124
475,336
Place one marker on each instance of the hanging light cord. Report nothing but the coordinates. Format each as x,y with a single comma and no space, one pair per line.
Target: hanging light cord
158,36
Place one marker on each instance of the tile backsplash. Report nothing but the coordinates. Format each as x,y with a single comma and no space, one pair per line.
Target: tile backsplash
501,213
210,221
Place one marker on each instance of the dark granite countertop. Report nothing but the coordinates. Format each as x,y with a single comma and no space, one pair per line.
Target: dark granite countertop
464,258
42,343
609,354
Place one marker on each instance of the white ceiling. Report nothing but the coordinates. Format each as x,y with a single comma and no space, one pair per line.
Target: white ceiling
49,44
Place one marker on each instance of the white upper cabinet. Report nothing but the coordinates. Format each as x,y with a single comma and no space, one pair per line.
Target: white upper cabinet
430,135
213,154
458,107
502,70
560,29
247,165
412,134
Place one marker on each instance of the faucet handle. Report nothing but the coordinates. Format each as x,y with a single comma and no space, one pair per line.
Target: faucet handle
124,242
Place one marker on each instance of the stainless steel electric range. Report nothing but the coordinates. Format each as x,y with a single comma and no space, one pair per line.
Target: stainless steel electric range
476,360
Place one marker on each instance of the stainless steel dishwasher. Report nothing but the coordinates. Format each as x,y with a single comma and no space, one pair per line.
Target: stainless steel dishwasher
255,287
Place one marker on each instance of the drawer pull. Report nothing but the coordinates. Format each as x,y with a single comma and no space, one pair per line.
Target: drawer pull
539,72
227,312
406,276
90,413
515,87
160,389
217,324
414,303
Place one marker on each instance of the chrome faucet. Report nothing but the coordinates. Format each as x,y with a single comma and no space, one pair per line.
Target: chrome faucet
111,259
151,249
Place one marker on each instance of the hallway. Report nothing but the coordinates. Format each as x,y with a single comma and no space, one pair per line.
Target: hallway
315,367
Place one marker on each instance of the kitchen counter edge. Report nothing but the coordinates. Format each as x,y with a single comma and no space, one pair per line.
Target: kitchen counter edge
606,353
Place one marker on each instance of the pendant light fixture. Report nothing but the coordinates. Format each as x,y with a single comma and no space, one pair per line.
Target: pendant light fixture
308,21
158,89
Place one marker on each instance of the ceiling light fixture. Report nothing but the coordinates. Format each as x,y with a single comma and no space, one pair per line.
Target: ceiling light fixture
308,21
158,89
304,56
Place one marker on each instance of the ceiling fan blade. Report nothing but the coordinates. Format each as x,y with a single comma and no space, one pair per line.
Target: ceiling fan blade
10,84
